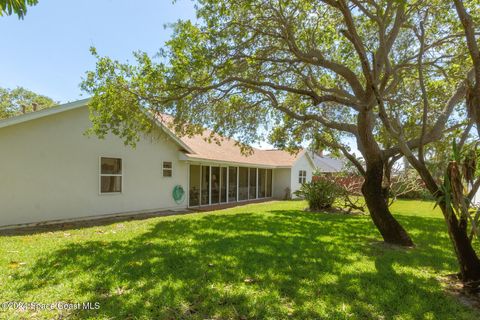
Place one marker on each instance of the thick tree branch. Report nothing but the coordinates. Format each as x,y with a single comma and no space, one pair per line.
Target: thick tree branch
437,129
345,127
421,81
315,57
472,45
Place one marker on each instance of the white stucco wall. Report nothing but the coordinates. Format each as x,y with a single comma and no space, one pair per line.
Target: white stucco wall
281,181
303,163
49,170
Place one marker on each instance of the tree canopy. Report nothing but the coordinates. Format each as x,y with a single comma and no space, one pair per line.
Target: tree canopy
289,67
20,100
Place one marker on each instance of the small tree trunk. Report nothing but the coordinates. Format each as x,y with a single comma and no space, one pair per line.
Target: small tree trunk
466,255
457,230
391,231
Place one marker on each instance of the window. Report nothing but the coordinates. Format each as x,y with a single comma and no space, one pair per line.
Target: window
302,176
110,175
167,169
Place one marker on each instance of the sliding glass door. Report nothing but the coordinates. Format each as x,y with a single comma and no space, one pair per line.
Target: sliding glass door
223,184
205,196
252,193
269,182
243,184
194,192
215,184
262,183
232,184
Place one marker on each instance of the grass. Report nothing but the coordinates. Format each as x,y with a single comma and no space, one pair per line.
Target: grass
260,261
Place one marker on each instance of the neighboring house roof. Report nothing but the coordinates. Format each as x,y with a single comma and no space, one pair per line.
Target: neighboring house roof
195,148
326,164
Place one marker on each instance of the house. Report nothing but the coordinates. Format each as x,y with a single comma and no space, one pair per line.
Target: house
326,164
51,171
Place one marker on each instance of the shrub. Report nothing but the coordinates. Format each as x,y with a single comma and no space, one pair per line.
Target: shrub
320,194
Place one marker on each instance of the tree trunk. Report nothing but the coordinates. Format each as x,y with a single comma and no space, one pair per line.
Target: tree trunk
457,230
391,231
466,256
372,189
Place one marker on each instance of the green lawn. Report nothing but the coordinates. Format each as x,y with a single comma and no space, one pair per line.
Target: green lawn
260,261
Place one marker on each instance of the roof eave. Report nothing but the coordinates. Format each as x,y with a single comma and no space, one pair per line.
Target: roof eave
43,113
169,132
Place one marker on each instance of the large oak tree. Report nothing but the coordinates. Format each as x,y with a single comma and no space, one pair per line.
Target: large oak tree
328,70
449,191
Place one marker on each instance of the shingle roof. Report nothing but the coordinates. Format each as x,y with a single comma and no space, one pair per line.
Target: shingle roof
326,164
227,150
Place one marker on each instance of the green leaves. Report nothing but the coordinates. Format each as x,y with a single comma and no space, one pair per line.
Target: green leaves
18,7
320,193
20,100
284,71
454,191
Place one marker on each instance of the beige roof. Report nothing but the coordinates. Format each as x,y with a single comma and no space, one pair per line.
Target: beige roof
227,150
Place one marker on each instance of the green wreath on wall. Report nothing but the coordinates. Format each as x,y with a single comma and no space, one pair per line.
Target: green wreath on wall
178,194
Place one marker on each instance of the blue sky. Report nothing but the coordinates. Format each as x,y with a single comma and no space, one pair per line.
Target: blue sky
48,51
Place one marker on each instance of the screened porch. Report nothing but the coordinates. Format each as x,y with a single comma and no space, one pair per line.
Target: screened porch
210,185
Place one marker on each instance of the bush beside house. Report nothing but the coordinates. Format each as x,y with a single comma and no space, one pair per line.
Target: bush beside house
320,193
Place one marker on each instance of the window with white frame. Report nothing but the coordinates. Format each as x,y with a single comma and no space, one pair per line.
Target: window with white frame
110,175
167,169
302,176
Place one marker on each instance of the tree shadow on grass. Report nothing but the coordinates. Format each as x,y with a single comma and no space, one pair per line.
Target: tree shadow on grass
282,264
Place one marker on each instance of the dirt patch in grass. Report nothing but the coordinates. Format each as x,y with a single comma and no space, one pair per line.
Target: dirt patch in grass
465,294
334,210
390,246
